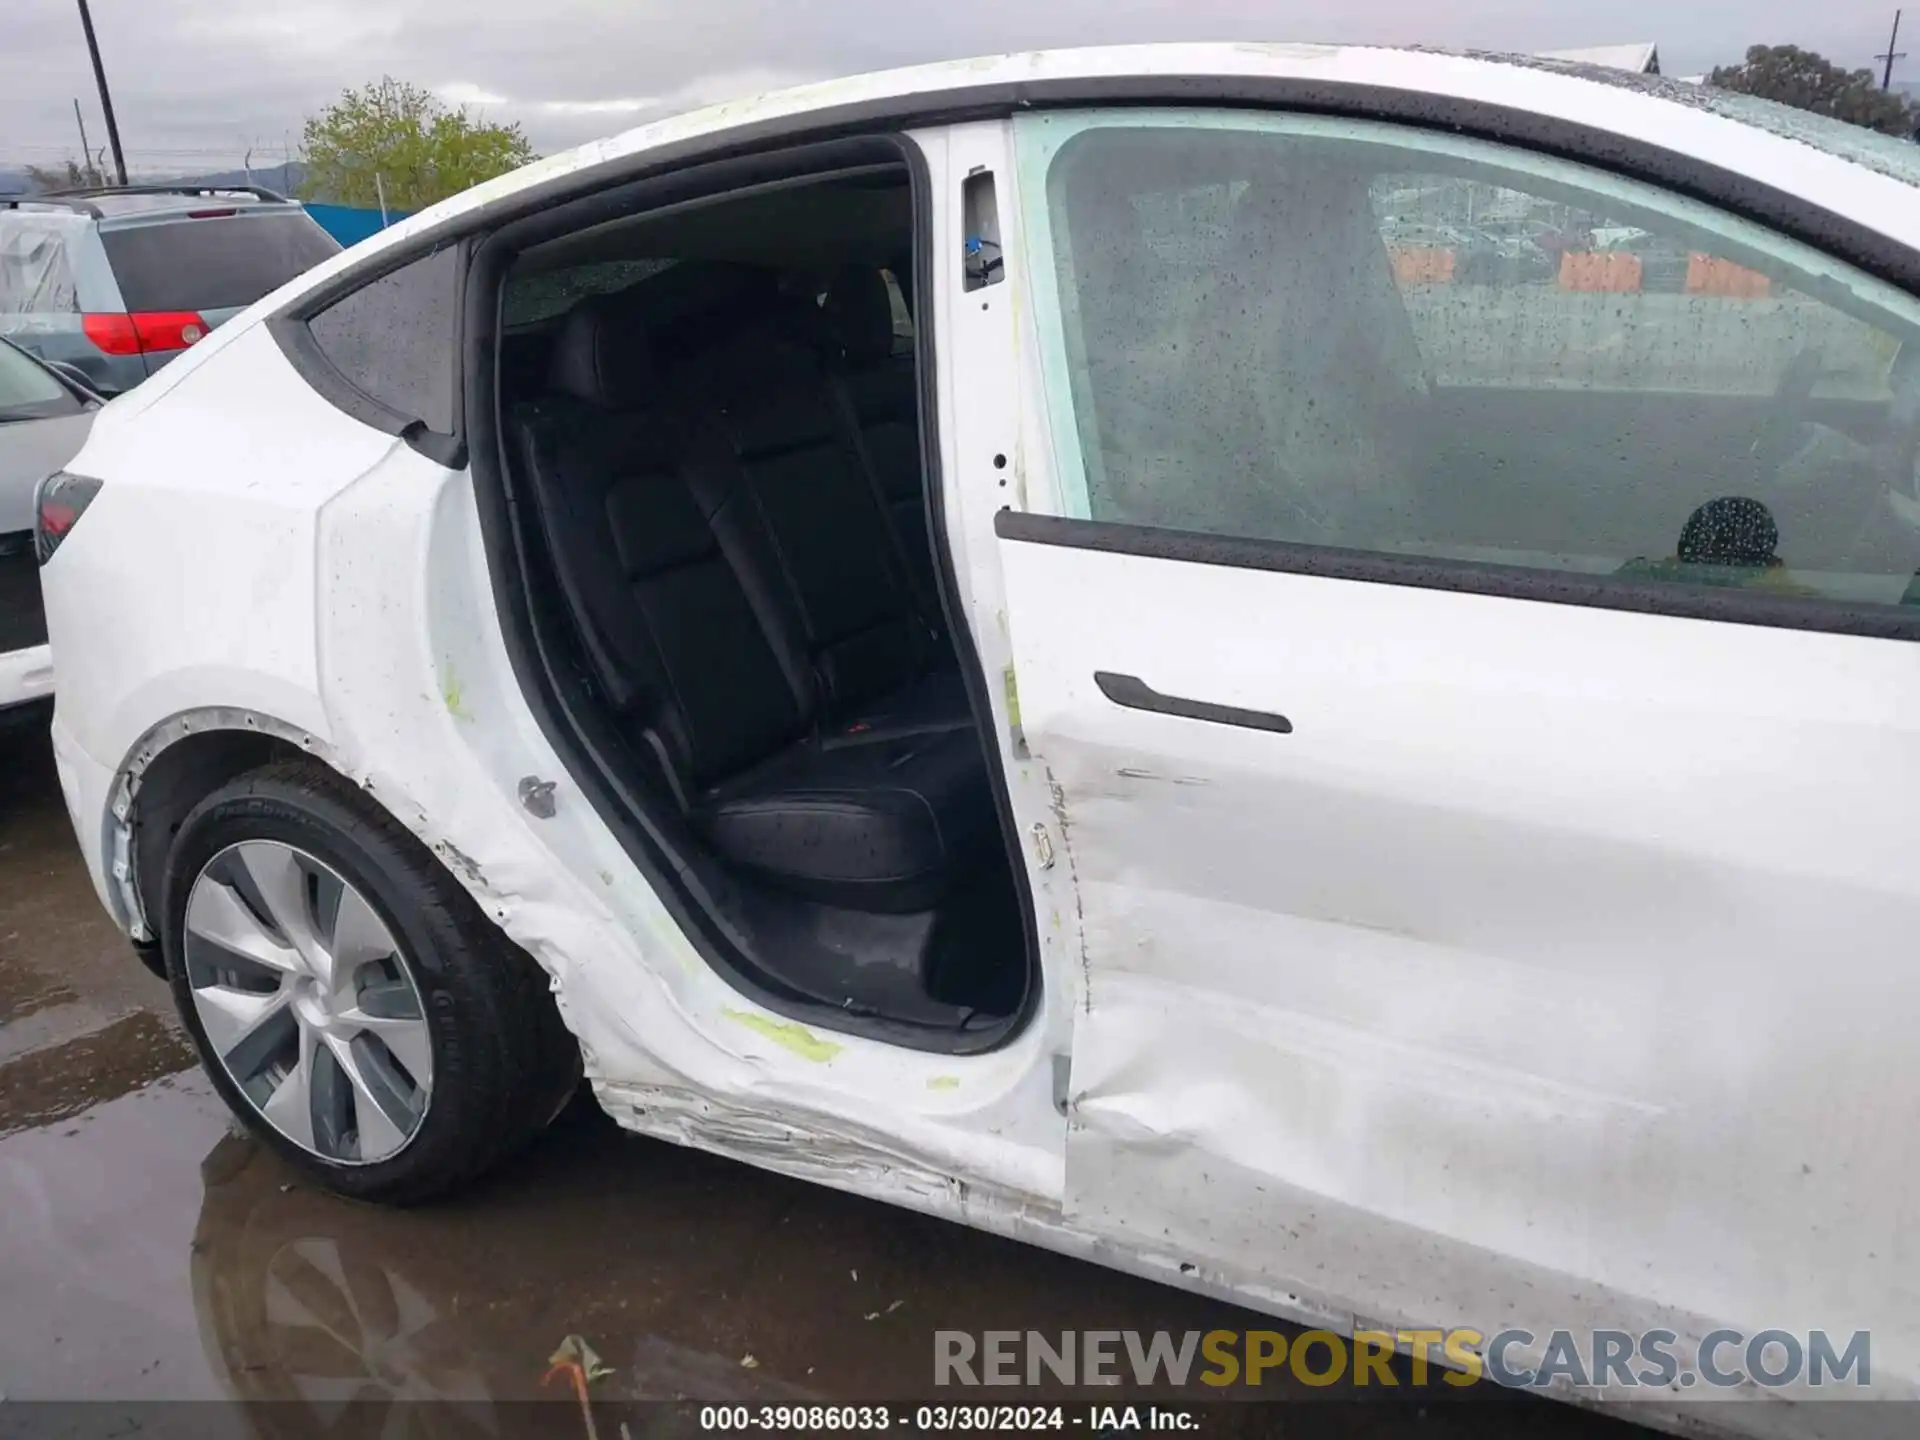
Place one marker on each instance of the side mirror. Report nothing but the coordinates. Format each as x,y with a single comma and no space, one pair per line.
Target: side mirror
77,378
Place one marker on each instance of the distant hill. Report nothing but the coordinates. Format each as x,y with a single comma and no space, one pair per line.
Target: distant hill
285,178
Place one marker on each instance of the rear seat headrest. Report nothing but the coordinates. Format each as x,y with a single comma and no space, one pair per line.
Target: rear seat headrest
859,315
602,356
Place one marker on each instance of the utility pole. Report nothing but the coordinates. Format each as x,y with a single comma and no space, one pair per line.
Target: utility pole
106,100
1891,55
86,150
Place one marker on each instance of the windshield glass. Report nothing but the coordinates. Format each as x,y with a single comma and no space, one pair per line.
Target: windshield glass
29,391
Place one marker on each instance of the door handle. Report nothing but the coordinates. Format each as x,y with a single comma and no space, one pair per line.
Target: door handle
1135,694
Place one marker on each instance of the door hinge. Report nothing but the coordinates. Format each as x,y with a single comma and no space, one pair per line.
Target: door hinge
1062,1078
1042,846
537,795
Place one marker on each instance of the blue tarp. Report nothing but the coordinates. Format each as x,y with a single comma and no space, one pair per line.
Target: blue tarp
348,225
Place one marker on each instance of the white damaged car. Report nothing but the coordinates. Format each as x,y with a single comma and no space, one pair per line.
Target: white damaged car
1020,638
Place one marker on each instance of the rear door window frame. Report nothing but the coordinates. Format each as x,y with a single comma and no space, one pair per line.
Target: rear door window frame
1867,255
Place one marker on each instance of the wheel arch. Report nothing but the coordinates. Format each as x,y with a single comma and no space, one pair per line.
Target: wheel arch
171,769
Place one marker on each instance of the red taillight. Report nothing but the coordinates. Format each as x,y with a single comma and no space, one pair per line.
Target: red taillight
211,214
113,334
146,333
169,330
57,507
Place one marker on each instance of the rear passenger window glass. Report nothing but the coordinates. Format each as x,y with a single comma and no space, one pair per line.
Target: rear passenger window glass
394,337
1372,338
221,263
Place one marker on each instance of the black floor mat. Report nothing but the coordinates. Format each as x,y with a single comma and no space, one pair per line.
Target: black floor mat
978,958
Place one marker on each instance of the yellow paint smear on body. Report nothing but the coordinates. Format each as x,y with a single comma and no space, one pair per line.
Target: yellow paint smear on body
789,1035
454,695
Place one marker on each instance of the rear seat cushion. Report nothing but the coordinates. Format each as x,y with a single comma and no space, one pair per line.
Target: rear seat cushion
887,826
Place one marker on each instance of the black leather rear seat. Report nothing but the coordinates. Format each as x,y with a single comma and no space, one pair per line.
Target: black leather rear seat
786,480
745,667
877,391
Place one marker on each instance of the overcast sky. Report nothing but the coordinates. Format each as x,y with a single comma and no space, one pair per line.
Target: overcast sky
198,82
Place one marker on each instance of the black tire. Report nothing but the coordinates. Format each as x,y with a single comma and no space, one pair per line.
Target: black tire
504,1063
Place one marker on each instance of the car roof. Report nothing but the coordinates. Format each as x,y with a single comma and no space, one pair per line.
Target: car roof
1871,181
1647,106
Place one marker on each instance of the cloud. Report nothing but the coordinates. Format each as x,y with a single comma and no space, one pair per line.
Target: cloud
463,93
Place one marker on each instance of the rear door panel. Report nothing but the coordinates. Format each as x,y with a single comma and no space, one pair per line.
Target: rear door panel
1553,946
1544,967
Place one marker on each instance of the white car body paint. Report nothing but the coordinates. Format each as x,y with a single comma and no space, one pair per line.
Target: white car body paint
26,675
1498,1119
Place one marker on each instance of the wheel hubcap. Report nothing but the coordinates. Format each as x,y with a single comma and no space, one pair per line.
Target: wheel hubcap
306,999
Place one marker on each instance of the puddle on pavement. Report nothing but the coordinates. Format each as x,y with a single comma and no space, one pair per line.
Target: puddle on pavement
168,1259
62,1080
173,1259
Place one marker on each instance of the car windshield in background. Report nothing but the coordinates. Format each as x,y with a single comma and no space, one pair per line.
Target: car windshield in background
30,392
220,263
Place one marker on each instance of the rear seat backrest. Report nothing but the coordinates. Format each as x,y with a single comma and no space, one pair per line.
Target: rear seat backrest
676,646
881,395
796,511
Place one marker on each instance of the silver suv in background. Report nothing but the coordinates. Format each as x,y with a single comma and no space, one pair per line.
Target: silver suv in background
116,282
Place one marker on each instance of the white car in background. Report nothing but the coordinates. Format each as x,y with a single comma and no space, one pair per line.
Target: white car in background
44,415
1240,757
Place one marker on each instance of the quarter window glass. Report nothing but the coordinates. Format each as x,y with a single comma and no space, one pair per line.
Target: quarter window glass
1361,336
394,338
37,271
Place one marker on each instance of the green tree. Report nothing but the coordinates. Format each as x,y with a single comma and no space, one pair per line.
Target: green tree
1801,78
68,175
421,149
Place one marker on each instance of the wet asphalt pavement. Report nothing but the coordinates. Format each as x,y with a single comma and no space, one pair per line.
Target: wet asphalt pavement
150,1253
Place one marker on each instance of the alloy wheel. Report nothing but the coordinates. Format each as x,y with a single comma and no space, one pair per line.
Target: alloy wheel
306,999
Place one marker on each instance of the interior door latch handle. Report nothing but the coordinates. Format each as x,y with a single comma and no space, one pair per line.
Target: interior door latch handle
1135,694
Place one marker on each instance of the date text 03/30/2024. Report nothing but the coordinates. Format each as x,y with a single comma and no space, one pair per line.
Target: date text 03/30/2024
938,1419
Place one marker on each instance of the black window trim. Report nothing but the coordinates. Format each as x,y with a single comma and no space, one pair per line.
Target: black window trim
1467,577
295,338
